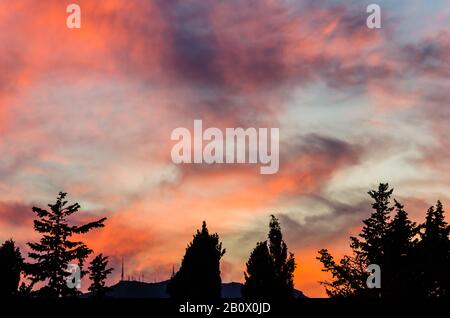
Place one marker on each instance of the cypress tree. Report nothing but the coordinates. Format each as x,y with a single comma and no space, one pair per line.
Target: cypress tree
11,265
199,274
270,268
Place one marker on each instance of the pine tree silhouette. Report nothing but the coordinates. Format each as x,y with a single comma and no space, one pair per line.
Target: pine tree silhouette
434,254
11,265
270,269
199,274
409,267
55,251
400,256
349,276
372,239
98,272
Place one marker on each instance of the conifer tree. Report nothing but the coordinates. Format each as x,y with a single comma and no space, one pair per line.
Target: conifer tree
98,272
349,276
372,239
410,267
399,280
11,265
55,250
199,274
270,269
260,274
434,254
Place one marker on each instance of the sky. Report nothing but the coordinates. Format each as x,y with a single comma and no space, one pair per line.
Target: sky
90,112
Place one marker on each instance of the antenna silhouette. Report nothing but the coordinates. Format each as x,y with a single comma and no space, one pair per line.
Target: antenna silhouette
122,275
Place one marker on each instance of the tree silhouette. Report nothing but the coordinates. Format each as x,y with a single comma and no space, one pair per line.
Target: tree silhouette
400,256
270,269
55,251
434,254
199,274
11,265
372,239
98,272
348,275
260,275
409,267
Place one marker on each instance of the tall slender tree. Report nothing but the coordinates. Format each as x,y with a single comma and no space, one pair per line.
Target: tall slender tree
400,256
199,274
434,254
98,272
270,269
260,274
11,265
55,250
372,239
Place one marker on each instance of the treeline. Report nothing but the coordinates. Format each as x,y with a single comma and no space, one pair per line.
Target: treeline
50,272
413,259
269,273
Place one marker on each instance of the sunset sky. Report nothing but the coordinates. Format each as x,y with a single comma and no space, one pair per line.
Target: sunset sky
90,111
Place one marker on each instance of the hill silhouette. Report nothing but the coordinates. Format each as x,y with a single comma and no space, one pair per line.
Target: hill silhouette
136,289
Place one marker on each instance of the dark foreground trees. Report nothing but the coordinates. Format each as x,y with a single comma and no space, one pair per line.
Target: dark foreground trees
98,272
433,254
414,260
56,250
199,274
11,265
270,268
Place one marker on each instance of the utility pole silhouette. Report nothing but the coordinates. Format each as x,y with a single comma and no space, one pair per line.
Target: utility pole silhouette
122,275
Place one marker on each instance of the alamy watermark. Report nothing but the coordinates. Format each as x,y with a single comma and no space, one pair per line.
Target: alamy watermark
73,20
74,278
373,21
374,279
236,145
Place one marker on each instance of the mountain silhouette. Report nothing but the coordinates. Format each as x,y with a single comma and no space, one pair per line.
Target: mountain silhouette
135,289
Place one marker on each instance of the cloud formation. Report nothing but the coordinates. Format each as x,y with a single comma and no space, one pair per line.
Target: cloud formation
90,112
